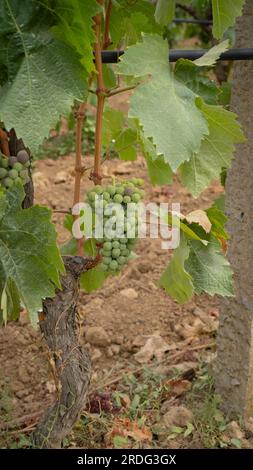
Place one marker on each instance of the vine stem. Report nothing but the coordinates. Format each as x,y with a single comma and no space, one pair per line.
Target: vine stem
101,94
107,40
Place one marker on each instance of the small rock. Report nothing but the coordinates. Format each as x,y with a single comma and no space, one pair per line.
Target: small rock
21,393
130,293
109,352
61,177
119,339
96,355
97,336
177,416
115,348
249,425
95,303
234,431
155,346
144,267
23,375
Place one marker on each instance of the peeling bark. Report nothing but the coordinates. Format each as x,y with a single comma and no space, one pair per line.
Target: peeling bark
234,365
70,362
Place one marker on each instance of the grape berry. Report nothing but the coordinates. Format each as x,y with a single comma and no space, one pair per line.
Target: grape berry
116,252
14,169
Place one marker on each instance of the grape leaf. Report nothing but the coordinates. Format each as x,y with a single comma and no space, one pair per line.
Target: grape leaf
209,269
175,279
76,27
212,55
29,258
93,279
163,105
224,14
130,19
192,76
165,11
216,150
218,220
159,172
45,87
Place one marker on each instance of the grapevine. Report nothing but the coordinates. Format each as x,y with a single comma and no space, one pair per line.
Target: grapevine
178,118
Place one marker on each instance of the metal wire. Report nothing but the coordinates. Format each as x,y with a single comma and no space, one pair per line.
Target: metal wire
112,57
192,21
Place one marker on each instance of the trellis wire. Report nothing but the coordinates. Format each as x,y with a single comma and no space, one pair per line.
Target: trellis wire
112,57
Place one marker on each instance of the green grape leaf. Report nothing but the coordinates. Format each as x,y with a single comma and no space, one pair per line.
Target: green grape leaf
175,279
159,172
218,220
44,89
93,279
163,105
165,11
129,20
30,262
187,72
125,144
113,122
209,269
216,150
225,13
76,27
212,55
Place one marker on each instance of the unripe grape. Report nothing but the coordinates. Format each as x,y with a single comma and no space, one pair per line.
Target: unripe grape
104,267
136,197
92,195
115,252
115,244
113,265
18,166
12,161
107,259
3,172
120,190
27,164
111,190
13,174
24,174
123,241
122,260
106,253
4,163
106,196
107,246
18,180
22,156
140,182
98,189
125,252
8,182
126,199
118,198
128,191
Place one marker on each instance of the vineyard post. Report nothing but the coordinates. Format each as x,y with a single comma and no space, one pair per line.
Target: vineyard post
234,365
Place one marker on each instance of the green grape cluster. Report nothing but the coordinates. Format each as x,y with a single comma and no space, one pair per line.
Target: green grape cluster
14,169
116,252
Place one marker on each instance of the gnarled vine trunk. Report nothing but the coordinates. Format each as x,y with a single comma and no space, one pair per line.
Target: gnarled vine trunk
234,365
70,361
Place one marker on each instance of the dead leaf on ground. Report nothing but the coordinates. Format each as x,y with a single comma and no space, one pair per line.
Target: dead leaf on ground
127,428
176,388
